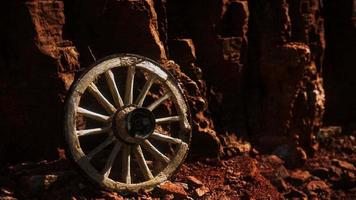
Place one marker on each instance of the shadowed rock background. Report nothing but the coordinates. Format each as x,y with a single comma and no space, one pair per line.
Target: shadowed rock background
260,70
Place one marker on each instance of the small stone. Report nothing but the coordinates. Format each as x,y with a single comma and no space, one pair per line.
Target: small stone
282,172
320,172
244,147
168,197
300,176
312,195
6,191
317,186
280,184
234,146
350,175
344,164
275,160
201,191
177,190
229,171
192,180
297,157
336,171
254,152
225,187
184,185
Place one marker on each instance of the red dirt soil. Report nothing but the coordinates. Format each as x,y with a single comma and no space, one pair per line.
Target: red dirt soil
330,174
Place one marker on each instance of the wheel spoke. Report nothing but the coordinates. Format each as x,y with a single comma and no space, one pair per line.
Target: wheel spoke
92,131
159,101
129,85
93,115
101,99
126,168
109,163
155,152
165,138
142,163
110,79
167,119
141,98
99,148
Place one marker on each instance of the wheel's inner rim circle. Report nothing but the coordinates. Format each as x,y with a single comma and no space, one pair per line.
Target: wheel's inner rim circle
140,123
133,125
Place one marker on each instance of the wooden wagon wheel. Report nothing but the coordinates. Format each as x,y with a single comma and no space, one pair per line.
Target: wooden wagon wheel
113,126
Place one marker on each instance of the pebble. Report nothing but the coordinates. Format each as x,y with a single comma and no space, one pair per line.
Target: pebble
192,180
177,190
317,186
201,191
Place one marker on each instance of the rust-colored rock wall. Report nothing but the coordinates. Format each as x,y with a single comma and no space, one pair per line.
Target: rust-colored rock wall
96,28
37,68
283,81
250,68
128,26
218,30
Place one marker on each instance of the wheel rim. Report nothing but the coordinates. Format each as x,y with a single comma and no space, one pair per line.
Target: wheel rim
146,148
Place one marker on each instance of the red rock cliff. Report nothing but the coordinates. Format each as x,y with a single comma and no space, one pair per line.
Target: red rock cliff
251,68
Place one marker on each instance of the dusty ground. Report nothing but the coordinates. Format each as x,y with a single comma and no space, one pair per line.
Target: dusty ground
330,174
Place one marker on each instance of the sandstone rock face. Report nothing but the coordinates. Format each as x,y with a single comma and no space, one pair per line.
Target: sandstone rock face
202,126
37,68
129,26
252,68
44,64
285,85
307,26
218,30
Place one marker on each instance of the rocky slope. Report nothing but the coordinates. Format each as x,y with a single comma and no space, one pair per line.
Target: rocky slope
329,175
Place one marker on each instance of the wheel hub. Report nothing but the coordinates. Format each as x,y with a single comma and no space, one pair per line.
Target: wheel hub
133,125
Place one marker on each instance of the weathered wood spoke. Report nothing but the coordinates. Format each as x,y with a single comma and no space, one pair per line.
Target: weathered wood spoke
141,98
159,101
101,99
129,85
93,115
126,164
167,119
155,152
110,79
142,163
99,148
165,138
109,163
92,131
